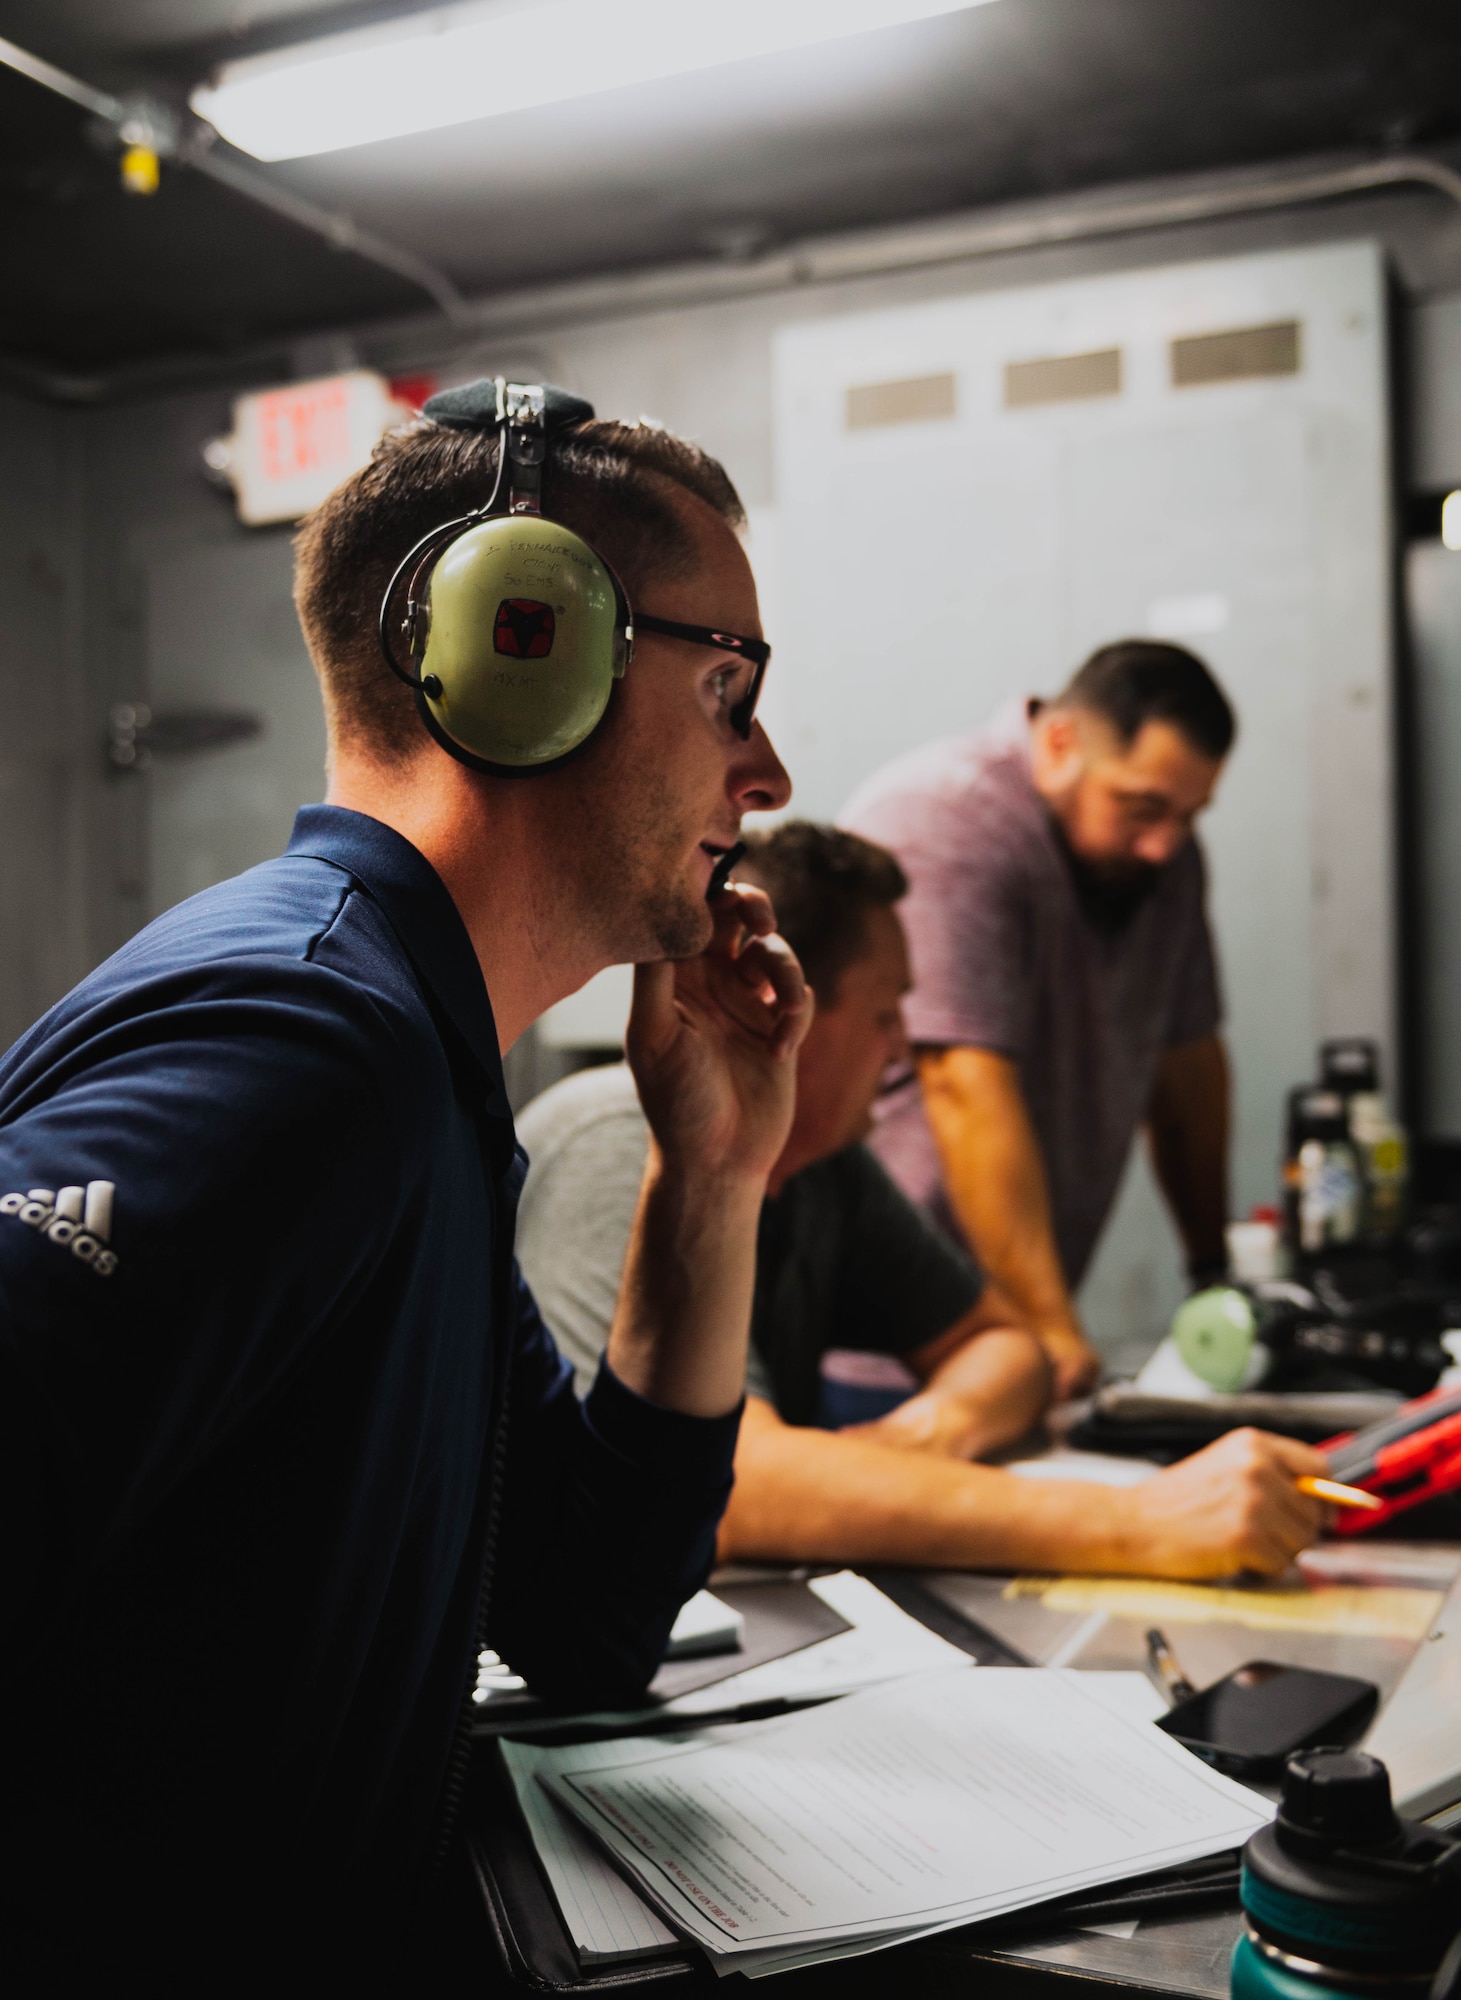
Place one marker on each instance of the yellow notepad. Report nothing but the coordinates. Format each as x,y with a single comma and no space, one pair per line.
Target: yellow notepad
1386,1612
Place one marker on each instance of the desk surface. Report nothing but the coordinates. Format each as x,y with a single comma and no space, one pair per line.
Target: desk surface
1168,1955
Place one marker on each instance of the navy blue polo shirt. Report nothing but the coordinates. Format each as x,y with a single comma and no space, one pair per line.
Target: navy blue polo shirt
258,1307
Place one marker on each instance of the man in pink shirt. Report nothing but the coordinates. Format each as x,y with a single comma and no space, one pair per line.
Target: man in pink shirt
1065,988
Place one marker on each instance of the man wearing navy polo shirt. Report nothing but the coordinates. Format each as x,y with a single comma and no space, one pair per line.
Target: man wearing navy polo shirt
283,1440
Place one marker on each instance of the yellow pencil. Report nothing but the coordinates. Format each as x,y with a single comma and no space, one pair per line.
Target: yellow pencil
1337,1495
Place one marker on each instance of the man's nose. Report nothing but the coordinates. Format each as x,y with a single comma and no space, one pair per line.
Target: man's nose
758,780
1158,844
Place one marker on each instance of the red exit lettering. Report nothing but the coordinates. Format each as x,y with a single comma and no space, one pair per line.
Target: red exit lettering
304,430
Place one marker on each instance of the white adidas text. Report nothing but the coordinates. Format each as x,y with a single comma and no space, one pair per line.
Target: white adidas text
78,1219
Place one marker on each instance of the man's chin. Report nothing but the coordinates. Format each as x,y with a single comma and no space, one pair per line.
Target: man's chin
681,927
1116,872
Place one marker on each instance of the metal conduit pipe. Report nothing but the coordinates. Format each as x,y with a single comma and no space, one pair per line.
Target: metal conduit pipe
193,143
989,236
954,240
340,231
98,102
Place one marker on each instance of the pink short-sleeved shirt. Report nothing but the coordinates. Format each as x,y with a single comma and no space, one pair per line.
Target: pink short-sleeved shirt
1007,958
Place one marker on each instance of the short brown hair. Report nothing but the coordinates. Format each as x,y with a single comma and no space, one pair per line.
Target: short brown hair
823,883
615,484
1136,681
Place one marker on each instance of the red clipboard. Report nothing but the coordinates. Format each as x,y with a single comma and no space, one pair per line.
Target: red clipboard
1404,1460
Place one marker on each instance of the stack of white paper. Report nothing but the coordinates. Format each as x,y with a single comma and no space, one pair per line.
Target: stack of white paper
607,1920
610,1922
931,1802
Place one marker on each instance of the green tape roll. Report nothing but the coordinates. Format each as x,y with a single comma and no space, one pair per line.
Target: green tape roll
1214,1333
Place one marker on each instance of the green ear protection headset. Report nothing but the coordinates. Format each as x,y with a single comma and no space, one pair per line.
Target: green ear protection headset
516,628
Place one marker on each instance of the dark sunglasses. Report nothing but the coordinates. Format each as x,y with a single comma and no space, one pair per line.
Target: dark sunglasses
755,652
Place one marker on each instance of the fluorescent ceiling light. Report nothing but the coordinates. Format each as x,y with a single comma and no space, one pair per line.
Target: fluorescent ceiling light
463,62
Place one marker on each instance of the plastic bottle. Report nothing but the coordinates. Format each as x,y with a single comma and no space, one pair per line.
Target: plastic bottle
1255,1248
1384,1154
1323,1184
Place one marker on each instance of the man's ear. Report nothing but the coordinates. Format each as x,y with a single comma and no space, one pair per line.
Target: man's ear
1059,749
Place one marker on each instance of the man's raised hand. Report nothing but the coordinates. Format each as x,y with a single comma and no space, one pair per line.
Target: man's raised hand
712,1041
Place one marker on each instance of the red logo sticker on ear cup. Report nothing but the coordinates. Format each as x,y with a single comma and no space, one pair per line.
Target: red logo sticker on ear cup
523,629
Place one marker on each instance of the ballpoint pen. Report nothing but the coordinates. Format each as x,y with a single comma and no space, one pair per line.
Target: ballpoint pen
1163,1662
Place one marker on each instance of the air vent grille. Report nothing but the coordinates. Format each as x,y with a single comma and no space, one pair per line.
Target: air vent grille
919,400
1062,378
1242,354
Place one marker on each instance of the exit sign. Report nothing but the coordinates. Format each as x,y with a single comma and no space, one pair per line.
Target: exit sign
293,446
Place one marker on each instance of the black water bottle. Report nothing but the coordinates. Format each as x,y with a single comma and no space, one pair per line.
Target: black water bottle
1341,1897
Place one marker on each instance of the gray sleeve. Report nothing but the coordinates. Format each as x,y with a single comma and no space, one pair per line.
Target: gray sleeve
587,1143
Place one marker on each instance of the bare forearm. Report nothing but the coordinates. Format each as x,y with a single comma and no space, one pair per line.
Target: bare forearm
680,1332
1000,1381
1187,1126
995,1178
813,1496
992,1388
712,1043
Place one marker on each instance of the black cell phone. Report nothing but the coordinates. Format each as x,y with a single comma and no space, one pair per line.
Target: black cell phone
1251,1720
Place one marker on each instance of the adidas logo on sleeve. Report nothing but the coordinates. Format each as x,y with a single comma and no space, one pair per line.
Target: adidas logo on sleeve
78,1219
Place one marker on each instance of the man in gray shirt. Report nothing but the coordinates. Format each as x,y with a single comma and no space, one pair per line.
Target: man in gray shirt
843,1259
1065,990
845,1262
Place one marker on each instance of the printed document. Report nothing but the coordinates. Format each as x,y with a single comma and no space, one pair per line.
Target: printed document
608,1922
931,1802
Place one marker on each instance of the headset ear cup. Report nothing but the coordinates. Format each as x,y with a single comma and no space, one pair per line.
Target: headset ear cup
526,627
